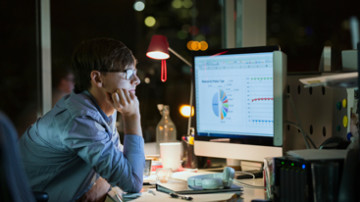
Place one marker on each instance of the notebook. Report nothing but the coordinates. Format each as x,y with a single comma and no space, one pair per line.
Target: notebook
181,187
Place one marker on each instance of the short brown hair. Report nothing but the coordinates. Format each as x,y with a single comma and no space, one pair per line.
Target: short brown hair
101,54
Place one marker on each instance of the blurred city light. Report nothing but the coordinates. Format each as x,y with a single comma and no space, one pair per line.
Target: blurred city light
185,111
196,45
150,21
176,4
139,6
187,3
147,80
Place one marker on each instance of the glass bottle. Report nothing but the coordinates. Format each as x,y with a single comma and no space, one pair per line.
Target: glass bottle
165,130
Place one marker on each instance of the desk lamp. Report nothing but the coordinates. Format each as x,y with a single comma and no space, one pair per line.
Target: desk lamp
159,50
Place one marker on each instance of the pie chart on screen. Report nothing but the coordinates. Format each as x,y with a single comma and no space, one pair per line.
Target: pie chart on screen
220,104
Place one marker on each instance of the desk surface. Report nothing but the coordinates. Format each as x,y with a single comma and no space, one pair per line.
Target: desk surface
250,192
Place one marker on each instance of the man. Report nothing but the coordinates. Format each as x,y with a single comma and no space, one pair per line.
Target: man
73,151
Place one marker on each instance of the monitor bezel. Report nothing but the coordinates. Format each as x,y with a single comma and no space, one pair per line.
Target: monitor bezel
241,138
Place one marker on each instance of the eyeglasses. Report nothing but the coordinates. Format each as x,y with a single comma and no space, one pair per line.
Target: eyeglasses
129,73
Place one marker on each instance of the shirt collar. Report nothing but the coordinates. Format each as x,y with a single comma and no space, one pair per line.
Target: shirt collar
106,118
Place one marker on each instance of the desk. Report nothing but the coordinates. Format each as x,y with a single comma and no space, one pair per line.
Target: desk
150,194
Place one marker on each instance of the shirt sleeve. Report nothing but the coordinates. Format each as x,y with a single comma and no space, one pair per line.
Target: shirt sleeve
92,142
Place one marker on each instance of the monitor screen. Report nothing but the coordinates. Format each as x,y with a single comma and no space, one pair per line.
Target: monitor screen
238,100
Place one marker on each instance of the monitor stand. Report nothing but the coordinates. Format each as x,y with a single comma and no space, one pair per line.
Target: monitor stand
242,165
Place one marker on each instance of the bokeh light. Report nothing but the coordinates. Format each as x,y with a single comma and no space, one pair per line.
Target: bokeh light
150,21
182,34
196,45
147,80
139,6
203,45
187,3
176,4
199,37
188,45
185,110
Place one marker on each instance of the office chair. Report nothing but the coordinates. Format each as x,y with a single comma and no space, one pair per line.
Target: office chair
14,185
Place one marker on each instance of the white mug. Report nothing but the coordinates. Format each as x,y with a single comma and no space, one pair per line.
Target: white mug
170,153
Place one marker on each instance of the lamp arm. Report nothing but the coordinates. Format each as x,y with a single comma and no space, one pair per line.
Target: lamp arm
191,105
180,57
191,87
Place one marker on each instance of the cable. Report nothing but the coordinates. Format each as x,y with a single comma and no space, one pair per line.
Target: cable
297,119
298,126
311,141
246,173
302,131
250,185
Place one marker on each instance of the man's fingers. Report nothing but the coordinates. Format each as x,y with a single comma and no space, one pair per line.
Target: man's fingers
132,95
116,100
123,98
115,97
125,101
127,96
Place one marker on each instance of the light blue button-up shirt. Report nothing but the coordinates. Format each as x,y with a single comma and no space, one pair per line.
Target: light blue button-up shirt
65,150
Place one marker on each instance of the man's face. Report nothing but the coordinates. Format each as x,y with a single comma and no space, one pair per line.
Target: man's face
126,79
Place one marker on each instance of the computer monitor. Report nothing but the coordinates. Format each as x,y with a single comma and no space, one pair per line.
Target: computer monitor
239,103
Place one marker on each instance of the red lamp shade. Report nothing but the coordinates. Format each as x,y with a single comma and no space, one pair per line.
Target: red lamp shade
158,48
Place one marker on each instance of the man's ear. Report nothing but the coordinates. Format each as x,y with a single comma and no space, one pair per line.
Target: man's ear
96,79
